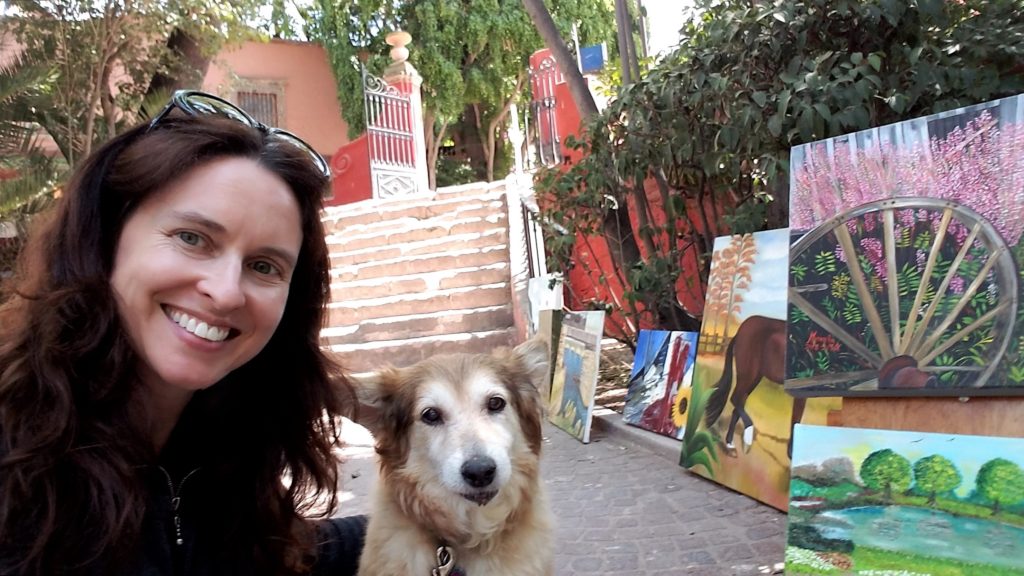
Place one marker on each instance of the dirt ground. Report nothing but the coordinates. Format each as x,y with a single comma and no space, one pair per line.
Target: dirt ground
613,375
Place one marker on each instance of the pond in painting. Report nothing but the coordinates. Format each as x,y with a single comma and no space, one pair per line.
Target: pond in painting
924,532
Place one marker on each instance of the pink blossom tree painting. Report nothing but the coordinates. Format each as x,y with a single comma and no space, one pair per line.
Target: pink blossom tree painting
906,255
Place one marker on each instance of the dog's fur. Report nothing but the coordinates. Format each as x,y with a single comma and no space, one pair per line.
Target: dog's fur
424,498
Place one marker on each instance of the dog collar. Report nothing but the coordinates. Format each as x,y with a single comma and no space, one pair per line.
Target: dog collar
446,563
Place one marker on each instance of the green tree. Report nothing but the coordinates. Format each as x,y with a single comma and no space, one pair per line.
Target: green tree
709,129
105,55
473,55
1001,482
936,474
885,471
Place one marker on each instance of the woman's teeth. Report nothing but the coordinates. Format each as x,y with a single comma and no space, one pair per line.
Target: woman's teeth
200,329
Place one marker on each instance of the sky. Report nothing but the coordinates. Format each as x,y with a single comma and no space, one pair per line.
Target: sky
665,18
769,276
814,444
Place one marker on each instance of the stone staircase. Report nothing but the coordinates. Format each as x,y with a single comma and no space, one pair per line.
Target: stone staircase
418,276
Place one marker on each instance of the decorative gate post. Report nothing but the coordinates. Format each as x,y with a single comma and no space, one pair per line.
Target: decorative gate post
394,125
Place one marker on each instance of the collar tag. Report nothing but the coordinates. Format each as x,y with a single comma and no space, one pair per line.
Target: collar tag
445,562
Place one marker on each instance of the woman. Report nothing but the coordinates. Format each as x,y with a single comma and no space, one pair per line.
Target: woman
165,406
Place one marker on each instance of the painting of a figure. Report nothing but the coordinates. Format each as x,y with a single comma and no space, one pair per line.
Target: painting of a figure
889,502
574,382
659,384
739,419
906,257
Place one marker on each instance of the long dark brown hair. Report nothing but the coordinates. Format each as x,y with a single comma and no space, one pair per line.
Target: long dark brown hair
71,441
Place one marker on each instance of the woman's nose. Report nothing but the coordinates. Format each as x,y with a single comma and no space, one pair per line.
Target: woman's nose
222,284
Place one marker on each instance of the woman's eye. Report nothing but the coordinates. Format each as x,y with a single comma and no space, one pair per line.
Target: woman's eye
431,416
496,404
190,238
263,267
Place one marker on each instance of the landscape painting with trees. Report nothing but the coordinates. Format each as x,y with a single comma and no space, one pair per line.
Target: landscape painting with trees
882,501
739,419
904,270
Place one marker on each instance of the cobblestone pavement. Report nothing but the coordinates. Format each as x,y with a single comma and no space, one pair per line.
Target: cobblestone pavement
625,510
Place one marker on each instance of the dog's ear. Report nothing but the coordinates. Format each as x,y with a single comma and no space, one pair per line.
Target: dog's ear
534,355
370,395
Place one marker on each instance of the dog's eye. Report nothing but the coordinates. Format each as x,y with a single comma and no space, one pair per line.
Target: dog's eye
431,416
496,404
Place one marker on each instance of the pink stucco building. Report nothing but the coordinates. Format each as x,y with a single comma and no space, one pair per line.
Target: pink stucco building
286,84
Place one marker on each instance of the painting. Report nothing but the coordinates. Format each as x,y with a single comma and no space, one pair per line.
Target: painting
574,382
659,384
739,419
550,328
887,502
906,257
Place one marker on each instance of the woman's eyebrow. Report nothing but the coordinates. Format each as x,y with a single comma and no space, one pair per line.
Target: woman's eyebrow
199,220
281,254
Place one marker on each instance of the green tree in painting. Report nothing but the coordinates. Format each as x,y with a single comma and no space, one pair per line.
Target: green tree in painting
886,471
934,475
1002,482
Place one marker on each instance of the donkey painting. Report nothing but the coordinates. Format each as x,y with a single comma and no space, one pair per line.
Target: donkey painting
759,351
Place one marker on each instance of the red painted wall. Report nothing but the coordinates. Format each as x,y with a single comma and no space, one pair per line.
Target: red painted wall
592,258
350,173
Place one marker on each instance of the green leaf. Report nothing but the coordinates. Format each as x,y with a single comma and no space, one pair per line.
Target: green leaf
823,110
775,125
915,55
784,97
876,61
701,440
856,58
699,459
759,98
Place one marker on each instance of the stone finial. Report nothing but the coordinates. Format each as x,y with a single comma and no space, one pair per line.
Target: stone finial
398,40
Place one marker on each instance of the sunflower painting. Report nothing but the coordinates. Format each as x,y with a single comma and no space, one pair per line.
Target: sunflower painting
659,385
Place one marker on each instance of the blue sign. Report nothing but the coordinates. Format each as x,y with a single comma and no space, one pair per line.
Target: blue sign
593,58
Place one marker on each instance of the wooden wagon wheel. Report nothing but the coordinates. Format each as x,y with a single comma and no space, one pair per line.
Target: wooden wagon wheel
972,297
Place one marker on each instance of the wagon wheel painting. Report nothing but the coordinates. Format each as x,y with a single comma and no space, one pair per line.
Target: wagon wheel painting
899,295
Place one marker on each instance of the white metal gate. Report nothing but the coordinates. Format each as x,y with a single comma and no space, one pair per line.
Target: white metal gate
390,129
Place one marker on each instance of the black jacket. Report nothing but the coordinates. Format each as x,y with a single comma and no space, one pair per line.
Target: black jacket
340,540
196,521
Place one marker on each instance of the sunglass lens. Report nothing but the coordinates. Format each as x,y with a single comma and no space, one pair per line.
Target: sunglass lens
203,104
303,145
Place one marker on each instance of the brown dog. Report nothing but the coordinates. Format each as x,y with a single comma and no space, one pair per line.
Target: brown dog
458,439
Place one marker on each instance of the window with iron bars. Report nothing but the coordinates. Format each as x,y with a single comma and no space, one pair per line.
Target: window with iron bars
260,105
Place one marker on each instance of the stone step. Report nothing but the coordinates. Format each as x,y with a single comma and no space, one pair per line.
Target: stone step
349,312
372,356
422,264
340,256
366,288
417,231
421,325
421,206
472,189
344,227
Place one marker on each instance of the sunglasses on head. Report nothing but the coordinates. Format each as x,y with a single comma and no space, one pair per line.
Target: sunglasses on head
196,103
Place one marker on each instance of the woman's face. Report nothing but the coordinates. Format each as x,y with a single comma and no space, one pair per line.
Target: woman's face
202,271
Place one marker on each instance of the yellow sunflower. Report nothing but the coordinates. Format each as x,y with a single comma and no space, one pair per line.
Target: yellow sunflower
679,405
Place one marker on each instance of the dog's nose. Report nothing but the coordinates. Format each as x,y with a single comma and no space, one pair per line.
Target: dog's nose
478,471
